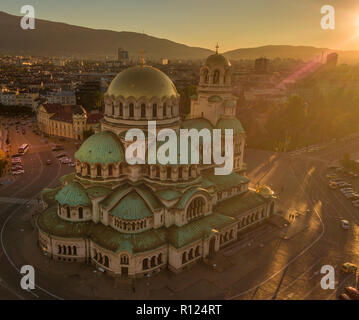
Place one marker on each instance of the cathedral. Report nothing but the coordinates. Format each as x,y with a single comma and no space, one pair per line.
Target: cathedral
135,220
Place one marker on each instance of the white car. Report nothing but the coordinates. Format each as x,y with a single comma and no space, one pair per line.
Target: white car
345,224
347,190
18,172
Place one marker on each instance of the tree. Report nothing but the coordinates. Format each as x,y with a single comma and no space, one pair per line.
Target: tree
3,162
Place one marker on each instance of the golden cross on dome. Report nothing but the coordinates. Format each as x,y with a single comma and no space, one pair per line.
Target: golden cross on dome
142,57
217,47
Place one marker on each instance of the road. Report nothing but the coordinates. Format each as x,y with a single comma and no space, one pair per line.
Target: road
27,186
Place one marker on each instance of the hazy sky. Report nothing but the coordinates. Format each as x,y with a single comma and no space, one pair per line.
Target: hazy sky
233,23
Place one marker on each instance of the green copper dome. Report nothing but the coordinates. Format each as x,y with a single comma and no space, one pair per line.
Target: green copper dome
131,207
230,123
73,195
217,60
142,81
102,147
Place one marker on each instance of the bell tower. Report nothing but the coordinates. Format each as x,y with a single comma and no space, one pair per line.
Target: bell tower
215,98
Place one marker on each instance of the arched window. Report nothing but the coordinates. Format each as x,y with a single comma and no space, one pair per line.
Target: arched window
121,109
110,170
153,262
100,258
124,259
164,110
154,110
205,75
145,264
69,250
216,77
157,171
81,213
231,234
168,173
189,172
95,255
143,111
180,173
68,212
98,168
63,249
132,110
88,169
190,255
106,262
59,249
159,259
195,208
74,250
184,257
197,253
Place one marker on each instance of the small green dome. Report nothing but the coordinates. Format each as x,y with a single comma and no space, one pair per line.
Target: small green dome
142,81
230,123
217,60
103,147
73,195
131,207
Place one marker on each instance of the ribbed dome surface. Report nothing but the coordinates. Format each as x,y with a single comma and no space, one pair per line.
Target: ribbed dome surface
142,81
103,147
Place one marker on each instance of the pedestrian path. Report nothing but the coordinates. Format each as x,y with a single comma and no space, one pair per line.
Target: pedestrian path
18,200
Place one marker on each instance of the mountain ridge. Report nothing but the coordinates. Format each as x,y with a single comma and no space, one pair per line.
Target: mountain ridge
66,40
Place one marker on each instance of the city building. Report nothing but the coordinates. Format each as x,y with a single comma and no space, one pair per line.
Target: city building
27,99
332,59
68,121
61,97
135,220
261,65
8,98
122,56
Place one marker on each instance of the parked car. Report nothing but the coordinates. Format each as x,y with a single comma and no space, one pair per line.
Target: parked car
344,296
349,267
331,176
61,155
58,148
332,185
72,164
355,203
352,292
351,196
18,172
48,162
345,224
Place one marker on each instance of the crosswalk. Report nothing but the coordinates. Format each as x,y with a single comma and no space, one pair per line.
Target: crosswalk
18,200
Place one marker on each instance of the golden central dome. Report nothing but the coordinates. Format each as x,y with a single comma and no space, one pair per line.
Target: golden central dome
142,81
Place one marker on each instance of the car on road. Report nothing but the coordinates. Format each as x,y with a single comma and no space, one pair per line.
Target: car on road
331,176
65,160
346,189
332,185
17,172
72,164
17,155
355,203
48,162
348,267
352,292
344,296
57,148
351,196
61,155
345,224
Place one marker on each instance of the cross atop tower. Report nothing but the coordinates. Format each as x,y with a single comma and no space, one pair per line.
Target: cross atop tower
217,47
